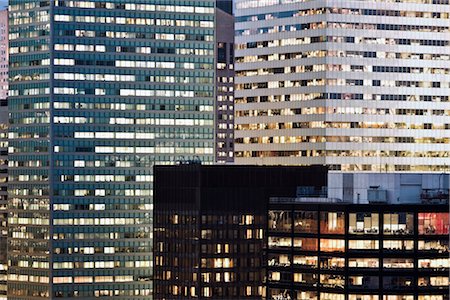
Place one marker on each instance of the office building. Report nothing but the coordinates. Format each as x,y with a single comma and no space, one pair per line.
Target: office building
210,224
220,234
357,251
224,86
100,91
3,151
355,85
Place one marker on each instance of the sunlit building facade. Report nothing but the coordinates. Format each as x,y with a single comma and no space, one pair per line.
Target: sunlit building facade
355,85
100,92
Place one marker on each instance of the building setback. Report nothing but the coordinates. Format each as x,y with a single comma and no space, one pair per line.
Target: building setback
355,85
224,87
225,5
209,227
100,92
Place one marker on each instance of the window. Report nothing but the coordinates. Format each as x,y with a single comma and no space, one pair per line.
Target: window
395,282
279,260
308,244
363,244
305,221
332,245
332,280
433,223
364,281
398,263
305,261
363,223
280,220
332,222
279,242
441,246
306,278
398,223
398,245
363,262
332,263
434,263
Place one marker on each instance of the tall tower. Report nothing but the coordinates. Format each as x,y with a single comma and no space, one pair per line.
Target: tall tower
355,85
3,151
100,92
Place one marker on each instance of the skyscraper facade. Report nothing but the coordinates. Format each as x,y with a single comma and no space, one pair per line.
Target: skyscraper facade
100,92
356,85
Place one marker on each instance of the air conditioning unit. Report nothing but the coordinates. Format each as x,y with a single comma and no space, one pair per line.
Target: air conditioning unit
375,195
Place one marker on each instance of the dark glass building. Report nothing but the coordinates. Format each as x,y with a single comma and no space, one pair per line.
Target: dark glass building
209,227
221,234
338,251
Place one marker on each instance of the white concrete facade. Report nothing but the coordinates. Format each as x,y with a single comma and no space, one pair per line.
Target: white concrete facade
356,85
400,188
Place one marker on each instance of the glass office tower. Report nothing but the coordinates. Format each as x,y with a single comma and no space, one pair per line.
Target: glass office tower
355,85
100,92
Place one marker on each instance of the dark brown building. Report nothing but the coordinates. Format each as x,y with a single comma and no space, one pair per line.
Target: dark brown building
209,226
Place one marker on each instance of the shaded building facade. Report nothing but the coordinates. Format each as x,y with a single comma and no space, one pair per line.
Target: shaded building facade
100,91
209,227
224,86
355,85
